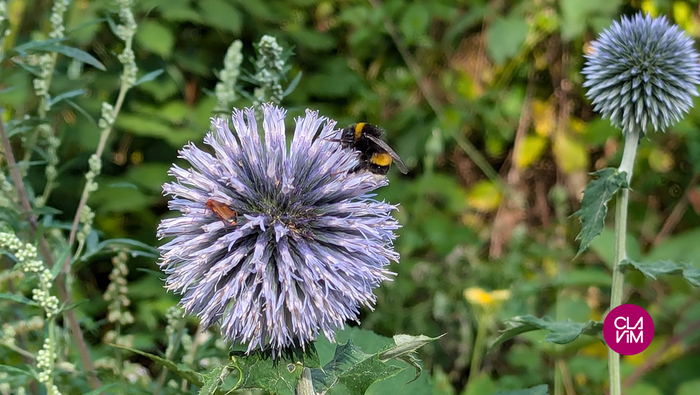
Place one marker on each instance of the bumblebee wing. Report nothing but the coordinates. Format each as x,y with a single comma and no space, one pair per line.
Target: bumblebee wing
397,159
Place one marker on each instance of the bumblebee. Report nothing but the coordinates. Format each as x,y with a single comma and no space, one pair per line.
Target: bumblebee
224,212
375,154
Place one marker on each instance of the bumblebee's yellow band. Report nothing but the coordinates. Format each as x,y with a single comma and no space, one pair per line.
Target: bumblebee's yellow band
382,159
358,130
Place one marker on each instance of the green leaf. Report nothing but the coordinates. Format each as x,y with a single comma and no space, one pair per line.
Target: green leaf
18,299
59,262
541,389
560,332
594,205
414,22
371,342
651,270
351,371
156,38
221,15
52,45
77,54
405,350
505,37
179,369
149,127
81,110
149,76
65,95
213,380
101,390
37,45
260,370
109,246
583,277
292,85
15,371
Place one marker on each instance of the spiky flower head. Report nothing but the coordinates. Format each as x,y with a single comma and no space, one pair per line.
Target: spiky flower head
309,243
642,70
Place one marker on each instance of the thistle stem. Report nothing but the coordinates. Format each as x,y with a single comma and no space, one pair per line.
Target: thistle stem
627,165
305,385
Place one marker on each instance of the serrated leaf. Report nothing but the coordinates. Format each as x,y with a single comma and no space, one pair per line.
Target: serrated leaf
651,270
179,369
18,299
405,350
260,370
559,332
351,371
541,389
213,380
594,205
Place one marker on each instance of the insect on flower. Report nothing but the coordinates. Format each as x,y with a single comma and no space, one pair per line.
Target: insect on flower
376,155
224,212
314,245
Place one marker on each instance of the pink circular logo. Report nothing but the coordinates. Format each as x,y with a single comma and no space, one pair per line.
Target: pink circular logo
628,329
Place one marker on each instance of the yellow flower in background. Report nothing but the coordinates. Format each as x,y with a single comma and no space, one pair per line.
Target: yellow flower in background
479,297
649,7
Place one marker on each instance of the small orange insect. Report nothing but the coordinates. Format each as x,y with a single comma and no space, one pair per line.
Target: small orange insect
224,212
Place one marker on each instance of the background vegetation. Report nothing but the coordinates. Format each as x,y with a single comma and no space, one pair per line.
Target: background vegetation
482,99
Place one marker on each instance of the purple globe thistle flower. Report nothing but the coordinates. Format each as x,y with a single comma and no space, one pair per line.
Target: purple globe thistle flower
273,244
640,71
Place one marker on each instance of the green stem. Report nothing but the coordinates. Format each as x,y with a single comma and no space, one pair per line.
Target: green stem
477,352
627,165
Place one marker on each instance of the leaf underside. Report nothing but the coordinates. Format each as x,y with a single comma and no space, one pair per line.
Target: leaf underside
651,270
594,205
560,332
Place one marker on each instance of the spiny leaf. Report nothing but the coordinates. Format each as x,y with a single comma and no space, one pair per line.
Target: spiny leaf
179,369
213,380
405,350
351,371
560,332
260,370
536,390
594,205
651,270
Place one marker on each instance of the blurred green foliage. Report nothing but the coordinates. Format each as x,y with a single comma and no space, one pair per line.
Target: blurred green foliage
446,79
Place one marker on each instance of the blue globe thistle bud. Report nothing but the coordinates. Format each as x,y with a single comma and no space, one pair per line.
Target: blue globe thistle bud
640,71
275,244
